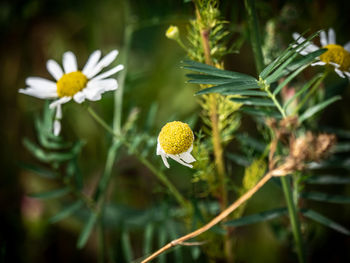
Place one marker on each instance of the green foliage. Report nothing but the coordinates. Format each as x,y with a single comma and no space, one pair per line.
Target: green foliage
259,217
313,215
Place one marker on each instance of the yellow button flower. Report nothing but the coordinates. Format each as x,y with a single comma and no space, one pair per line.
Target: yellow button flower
175,140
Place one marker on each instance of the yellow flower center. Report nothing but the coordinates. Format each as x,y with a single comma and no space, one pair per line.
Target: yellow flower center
176,137
71,83
336,54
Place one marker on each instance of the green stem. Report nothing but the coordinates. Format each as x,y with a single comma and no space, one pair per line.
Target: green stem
311,92
254,35
292,210
275,101
160,175
287,189
100,194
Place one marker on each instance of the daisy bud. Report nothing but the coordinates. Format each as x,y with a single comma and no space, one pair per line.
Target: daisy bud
173,33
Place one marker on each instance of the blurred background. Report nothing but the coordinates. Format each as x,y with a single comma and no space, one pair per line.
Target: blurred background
34,31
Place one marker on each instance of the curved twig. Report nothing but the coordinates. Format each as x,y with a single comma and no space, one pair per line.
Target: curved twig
281,171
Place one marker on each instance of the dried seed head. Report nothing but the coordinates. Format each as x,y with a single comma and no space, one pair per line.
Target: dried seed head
311,147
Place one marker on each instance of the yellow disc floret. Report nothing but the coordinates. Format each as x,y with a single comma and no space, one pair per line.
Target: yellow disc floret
71,83
336,54
175,137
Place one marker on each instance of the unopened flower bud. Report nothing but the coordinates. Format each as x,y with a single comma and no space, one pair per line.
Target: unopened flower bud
173,33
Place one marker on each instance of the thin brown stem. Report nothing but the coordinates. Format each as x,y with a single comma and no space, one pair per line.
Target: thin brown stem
277,172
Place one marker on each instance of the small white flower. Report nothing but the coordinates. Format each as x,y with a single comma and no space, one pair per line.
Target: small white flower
74,84
336,55
175,140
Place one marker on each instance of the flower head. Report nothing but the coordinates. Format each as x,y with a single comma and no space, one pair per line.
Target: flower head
175,140
74,84
173,33
336,55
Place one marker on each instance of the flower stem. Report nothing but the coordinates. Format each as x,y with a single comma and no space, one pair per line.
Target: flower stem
160,175
216,138
292,210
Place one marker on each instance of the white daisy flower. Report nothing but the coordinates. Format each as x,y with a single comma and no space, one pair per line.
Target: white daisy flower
74,84
175,140
336,55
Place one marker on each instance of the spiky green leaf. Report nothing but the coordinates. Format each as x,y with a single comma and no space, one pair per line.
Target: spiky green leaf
311,214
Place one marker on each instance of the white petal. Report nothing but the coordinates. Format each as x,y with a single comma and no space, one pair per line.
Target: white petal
105,84
92,61
59,112
79,97
54,69
347,74
187,157
307,46
40,83
331,36
41,94
323,38
318,63
165,161
109,72
177,158
56,127
334,64
104,62
298,38
93,93
311,47
59,101
339,72
69,62
347,46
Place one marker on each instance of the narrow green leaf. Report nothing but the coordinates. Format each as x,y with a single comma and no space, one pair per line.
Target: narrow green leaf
162,237
329,198
45,156
311,214
151,116
259,217
289,79
254,101
328,179
43,172
66,212
245,93
231,86
206,79
148,239
293,48
85,233
171,226
51,194
341,147
341,133
278,73
304,89
313,110
213,71
195,253
304,60
274,64
126,246
261,112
